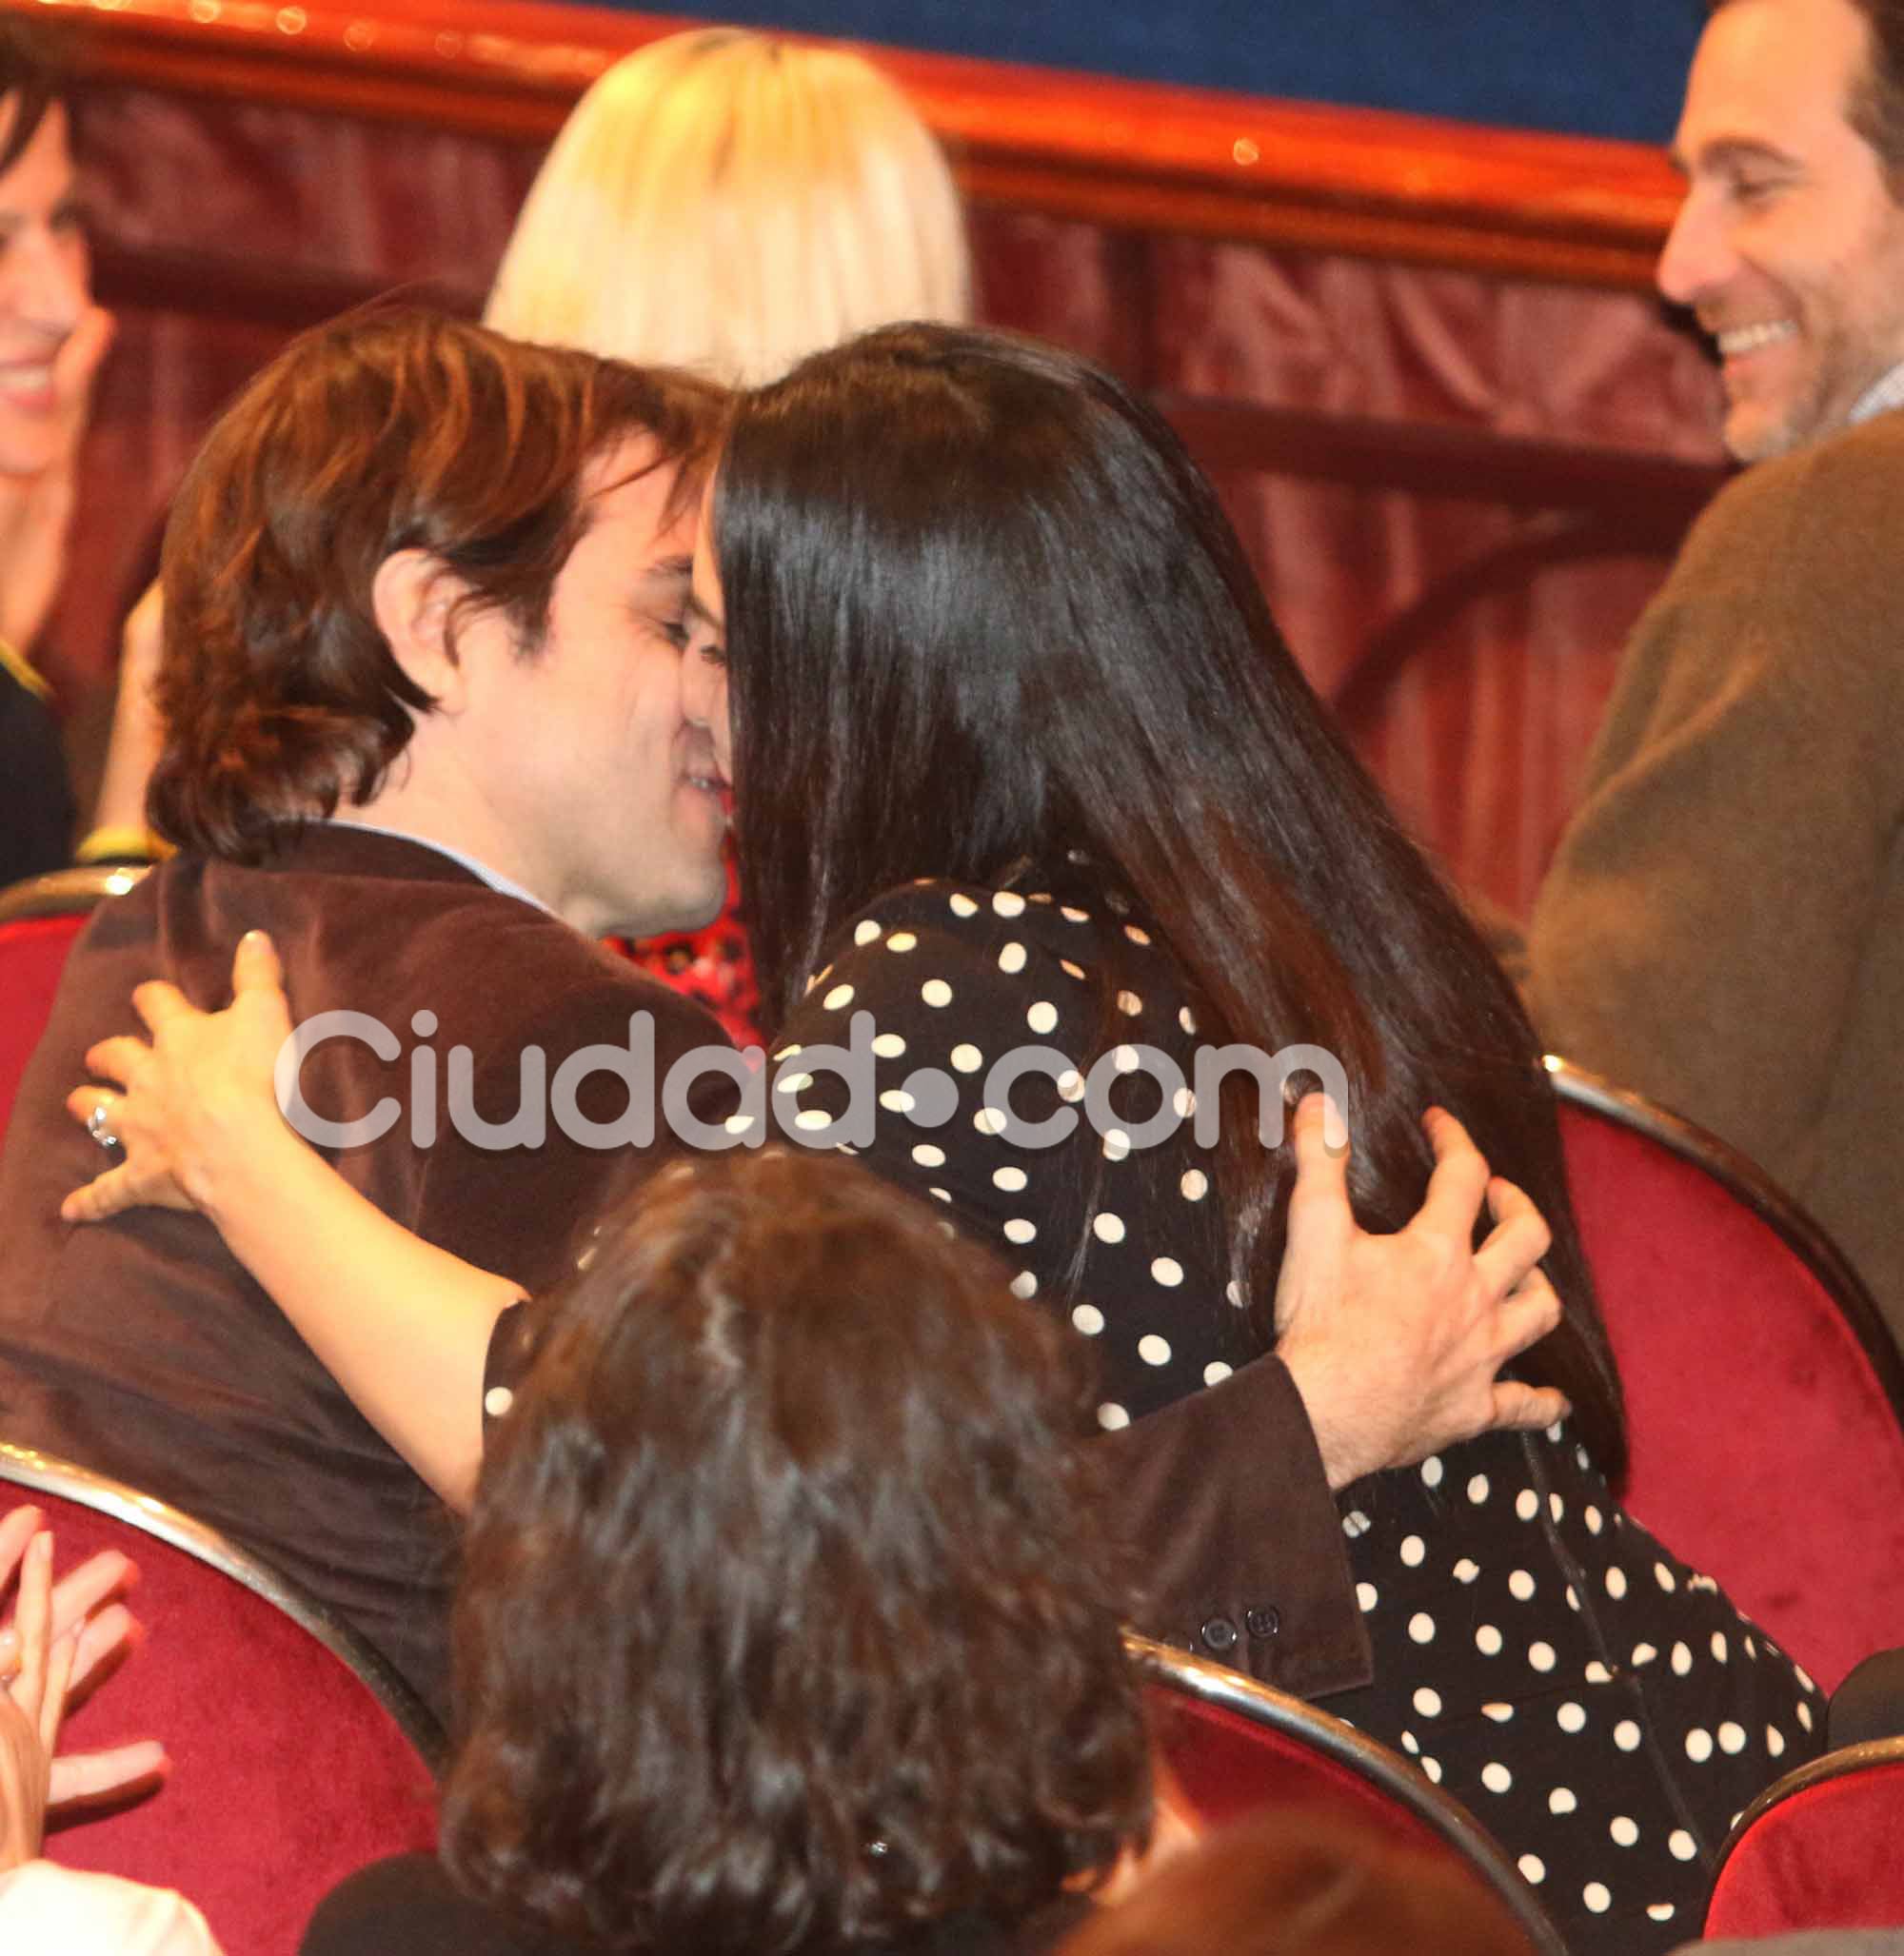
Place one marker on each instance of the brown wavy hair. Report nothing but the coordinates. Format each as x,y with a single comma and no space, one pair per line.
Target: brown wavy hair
390,431
35,71
782,1624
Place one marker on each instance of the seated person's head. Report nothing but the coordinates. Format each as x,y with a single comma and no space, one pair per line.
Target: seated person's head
781,1621
729,202
1296,1884
44,273
388,477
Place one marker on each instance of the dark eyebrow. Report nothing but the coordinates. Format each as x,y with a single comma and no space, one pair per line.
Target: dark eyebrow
668,571
1728,152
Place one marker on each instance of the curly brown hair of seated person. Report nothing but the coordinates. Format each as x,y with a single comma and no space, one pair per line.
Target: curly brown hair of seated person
782,1622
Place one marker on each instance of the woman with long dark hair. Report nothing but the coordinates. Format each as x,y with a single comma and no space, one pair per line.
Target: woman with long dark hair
1022,762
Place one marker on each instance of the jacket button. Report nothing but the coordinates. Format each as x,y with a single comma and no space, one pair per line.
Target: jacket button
1263,1623
1220,1633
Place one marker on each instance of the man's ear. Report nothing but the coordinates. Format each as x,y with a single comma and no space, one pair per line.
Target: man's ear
411,597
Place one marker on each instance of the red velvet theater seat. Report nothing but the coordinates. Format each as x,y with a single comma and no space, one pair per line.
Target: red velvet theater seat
39,919
1763,1388
1237,1748
297,1755
1818,1849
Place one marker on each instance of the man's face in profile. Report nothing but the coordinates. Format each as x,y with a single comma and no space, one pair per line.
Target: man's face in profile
1789,247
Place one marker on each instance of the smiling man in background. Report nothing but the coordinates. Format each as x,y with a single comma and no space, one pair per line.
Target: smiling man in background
1723,927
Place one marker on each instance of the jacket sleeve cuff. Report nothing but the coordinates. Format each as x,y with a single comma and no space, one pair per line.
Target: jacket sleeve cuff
1223,1505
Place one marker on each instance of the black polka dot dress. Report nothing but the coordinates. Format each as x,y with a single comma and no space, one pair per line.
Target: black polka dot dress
1602,1707
1604,1710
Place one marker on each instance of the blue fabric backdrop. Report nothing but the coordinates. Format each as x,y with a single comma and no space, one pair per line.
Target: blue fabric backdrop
1609,67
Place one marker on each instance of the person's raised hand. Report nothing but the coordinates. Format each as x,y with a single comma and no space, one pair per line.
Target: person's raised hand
1396,1342
85,1629
200,1090
30,1708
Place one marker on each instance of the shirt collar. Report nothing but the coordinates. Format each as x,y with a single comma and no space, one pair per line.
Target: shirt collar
480,871
1884,393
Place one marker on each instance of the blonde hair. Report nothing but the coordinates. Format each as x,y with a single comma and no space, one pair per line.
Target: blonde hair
729,202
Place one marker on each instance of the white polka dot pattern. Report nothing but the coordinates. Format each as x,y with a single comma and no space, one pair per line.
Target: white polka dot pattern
1574,1677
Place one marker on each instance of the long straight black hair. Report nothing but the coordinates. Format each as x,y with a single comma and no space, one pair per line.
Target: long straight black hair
982,607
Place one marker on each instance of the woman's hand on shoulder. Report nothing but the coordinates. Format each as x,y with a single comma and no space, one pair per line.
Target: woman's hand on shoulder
196,1103
1396,1342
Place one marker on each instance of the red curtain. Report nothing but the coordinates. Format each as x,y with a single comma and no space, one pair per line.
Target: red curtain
1482,739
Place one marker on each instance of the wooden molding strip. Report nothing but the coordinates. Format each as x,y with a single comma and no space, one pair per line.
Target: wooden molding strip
1128,155
1652,497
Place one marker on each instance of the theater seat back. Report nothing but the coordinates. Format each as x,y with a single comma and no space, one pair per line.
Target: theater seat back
1763,1388
1818,1849
1236,1748
39,921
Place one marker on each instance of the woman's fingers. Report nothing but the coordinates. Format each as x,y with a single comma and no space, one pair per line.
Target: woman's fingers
145,1178
103,1196
117,1060
158,1004
255,966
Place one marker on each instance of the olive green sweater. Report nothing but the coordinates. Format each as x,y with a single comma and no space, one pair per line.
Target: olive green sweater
1723,927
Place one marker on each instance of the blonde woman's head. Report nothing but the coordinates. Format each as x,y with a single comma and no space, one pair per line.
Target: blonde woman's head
730,202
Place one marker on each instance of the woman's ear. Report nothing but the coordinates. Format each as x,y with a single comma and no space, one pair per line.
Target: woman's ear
411,596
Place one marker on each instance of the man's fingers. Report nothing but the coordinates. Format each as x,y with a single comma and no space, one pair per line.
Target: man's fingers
1458,1182
1510,1204
1518,1241
83,1776
1320,1223
1521,1407
1322,1172
1527,1316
